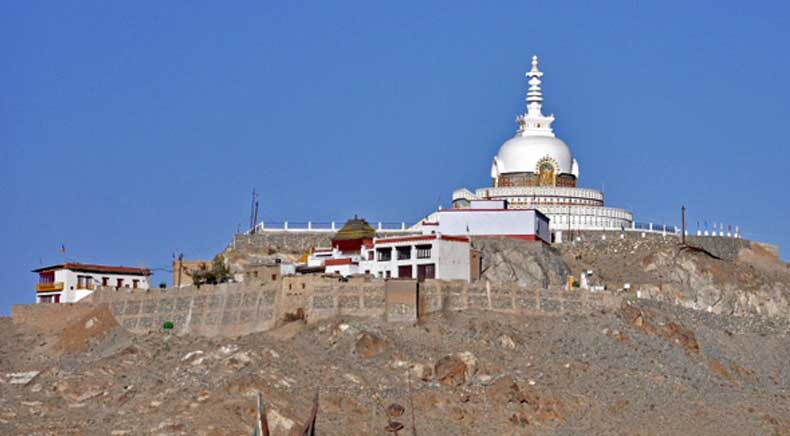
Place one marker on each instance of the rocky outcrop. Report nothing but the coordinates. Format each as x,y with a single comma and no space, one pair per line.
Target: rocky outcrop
528,264
713,274
697,281
722,248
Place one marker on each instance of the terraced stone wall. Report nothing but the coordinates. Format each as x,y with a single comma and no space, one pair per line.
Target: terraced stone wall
233,309
436,296
363,298
228,309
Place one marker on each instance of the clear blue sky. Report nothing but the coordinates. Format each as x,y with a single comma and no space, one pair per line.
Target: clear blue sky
133,130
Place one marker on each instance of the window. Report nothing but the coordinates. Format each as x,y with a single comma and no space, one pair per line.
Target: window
426,272
119,283
46,277
274,277
105,281
388,274
423,252
384,254
80,282
135,283
404,253
370,255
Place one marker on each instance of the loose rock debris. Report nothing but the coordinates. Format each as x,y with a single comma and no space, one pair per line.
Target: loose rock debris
643,366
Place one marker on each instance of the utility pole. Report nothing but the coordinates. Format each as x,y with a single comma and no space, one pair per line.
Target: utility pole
255,219
252,212
180,268
683,224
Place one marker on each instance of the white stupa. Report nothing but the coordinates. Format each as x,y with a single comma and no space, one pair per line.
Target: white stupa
535,169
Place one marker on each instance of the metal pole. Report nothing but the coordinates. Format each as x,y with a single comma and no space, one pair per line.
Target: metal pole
180,268
252,212
683,220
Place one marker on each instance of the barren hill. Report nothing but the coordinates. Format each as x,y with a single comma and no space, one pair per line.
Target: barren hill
698,345
645,368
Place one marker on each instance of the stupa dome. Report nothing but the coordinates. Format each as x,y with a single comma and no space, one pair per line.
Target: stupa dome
535,146
523,154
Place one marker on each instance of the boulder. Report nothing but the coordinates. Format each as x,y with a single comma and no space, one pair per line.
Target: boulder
456,369
422,372
451,370
369,345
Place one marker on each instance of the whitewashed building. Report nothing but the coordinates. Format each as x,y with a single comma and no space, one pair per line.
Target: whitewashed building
417,257
420,257
71,282
489,218
536,170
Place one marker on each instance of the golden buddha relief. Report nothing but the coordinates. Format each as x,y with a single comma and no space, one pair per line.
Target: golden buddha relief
546,174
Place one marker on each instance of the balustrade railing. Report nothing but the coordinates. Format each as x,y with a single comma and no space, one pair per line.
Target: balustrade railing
324,226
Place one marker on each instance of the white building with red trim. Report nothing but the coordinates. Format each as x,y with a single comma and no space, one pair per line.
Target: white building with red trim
420,257
489,218
431,256
71,282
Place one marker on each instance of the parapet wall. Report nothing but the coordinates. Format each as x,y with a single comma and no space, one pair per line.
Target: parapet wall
292,241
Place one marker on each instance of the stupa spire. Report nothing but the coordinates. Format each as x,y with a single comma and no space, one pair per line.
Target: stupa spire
534,122
535,93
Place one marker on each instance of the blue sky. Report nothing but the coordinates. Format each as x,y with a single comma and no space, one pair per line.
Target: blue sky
133,130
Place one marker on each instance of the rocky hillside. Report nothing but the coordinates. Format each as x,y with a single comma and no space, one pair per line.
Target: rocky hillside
729,276
742,279
644,368
720,275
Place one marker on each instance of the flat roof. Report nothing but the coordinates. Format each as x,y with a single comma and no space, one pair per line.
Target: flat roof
469,209
86,267
422,238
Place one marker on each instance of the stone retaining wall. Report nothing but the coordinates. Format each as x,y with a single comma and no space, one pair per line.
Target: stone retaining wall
292,241
723,248
437,296
228,309
234,309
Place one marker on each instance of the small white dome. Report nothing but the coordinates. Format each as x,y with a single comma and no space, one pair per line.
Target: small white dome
523,154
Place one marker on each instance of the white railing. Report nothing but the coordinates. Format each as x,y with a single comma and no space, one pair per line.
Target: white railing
324,227
648,228
334,226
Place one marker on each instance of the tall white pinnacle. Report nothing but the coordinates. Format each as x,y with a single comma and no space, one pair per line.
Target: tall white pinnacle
534,122
535,93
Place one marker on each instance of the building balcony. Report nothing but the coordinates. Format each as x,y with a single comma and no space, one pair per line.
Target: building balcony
49,287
